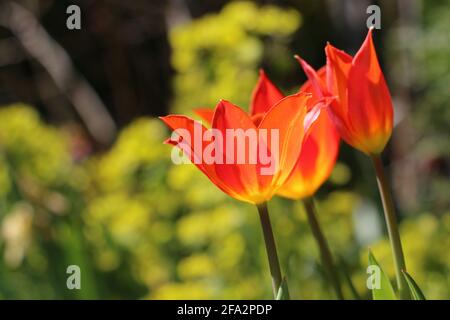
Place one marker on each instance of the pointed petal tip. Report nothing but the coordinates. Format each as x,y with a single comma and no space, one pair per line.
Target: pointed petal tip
164,119
221,106
299,59
329,47
167,119
370,32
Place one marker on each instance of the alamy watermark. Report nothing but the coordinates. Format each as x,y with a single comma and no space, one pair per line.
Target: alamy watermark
74,279
235,146
73,21
374,279
374,20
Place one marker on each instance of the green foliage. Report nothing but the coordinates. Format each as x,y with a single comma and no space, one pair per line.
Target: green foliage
414,289
385,290
423,239
40,200
26,144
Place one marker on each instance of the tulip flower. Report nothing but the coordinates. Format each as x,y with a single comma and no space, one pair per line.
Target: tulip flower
321,144
246,181
317,157
363,115
363,111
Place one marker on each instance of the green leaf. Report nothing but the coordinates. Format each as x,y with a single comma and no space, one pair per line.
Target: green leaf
382,288
414,289
283,292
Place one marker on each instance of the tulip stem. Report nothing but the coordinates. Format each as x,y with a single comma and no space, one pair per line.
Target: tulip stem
274,264
325,252
392,227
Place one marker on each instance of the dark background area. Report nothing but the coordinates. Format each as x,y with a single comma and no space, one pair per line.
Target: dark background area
122,49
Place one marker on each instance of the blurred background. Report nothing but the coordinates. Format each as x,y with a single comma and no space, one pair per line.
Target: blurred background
85,179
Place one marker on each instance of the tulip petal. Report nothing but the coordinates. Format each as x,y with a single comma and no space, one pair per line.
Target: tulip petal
237,170
176,122
265,95
316,83
287,116
338,67
316,160
311,116
205,113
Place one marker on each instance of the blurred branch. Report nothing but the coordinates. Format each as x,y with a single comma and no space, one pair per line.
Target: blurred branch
40,46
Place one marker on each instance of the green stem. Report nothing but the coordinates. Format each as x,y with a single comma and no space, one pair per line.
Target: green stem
325,253
274,264
345,272
391,222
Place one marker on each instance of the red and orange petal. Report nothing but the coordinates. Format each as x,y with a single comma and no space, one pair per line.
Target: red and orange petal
337,71
176,122
205,114
316,83
288,117
322,84
316,161
264,96
242,177
338,68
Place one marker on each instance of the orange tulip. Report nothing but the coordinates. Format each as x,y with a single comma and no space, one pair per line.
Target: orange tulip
363,111
363,115
321,143
246,181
